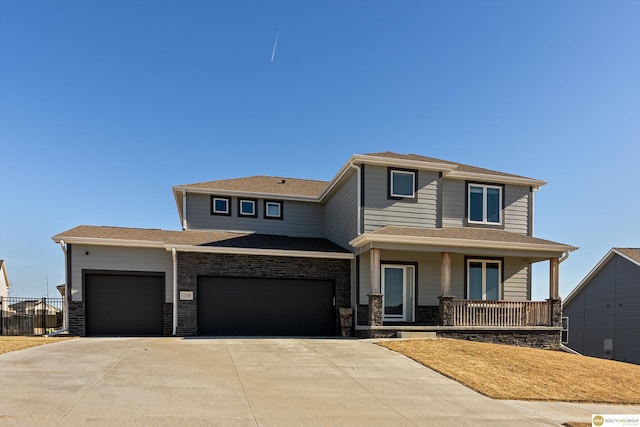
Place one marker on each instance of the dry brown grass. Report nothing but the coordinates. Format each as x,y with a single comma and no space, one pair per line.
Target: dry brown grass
8,344
508,372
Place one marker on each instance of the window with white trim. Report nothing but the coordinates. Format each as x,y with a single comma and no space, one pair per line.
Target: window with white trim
272,209
247,207
484,279
565,331
402,183
484,204
220,205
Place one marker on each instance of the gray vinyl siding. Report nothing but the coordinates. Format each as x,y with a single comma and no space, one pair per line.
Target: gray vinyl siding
515,273
428,288
608,307
516,206
453,203
113,258
516,279
516,209
341,213
575,313
380,211
627,311
300,219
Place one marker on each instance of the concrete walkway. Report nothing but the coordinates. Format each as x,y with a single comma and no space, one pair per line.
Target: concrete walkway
244,382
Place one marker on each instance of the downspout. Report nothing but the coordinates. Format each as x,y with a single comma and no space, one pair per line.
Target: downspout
65,320
184,209
354,295
174,258
359,196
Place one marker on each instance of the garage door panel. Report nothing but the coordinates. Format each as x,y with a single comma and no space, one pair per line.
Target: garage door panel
124,304
266,307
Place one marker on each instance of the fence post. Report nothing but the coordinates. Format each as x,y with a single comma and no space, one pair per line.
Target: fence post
1,315
44,316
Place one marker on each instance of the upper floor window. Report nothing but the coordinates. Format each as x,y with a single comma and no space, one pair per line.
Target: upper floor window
484,204
272,209
247,207
220,205
402,183
484,279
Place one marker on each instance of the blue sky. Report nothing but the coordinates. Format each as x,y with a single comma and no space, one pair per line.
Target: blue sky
105,105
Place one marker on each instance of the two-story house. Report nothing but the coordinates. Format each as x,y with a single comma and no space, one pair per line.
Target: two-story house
410,243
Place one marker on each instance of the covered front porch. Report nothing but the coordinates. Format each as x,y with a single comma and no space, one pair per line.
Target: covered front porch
473,282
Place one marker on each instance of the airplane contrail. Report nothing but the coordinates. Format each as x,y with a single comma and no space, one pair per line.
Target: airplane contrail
275,45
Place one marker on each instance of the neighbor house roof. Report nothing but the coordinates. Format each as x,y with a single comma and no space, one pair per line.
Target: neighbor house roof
463,237
630,254
203,241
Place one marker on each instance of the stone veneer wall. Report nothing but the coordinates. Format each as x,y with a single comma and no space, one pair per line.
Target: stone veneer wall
192,264
76,318
544,339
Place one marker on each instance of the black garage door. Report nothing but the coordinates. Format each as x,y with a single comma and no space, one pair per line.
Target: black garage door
265,307
123,304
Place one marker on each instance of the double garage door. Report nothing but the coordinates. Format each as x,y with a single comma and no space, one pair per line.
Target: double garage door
265,307
128,304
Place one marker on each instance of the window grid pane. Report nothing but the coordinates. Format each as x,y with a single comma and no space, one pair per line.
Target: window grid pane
247,207
475,281
221,205
493,205
402,183
476,210
273,209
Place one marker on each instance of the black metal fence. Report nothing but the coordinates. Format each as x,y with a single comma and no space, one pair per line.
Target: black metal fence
31,316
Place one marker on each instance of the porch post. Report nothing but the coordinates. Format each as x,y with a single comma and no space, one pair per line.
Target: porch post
554,279
554,293
445,274
374,270
375,297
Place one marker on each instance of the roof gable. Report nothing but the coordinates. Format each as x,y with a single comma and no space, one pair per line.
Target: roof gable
631,254
458,167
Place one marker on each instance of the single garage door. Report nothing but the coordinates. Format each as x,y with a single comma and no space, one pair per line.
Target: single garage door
265,307
124,304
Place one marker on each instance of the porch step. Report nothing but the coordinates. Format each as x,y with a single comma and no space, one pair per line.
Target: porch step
415,334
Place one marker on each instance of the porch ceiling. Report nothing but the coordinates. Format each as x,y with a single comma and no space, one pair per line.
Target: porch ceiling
467,240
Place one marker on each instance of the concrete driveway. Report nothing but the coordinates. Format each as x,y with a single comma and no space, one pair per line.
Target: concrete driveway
236,382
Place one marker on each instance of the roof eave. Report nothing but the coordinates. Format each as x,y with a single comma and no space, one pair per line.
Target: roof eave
108,242
413,164
260,251
506,179
366,239
247,194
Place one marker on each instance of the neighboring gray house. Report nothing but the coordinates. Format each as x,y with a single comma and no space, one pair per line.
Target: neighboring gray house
602,314
410,243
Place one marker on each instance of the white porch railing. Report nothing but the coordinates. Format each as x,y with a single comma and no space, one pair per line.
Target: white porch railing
501,313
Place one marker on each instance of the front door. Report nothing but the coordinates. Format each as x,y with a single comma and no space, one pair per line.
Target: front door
397,292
